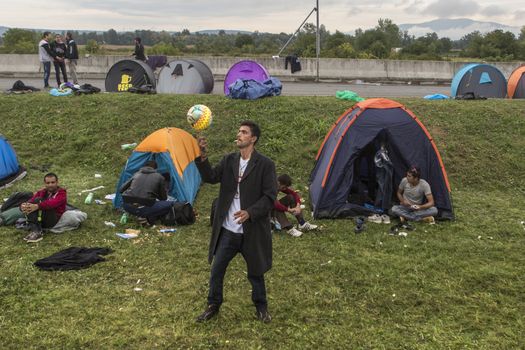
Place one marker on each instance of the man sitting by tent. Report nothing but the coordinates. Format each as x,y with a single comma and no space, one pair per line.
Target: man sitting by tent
45,208
411,193
145,194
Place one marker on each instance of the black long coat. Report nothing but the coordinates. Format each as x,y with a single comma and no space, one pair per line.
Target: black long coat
258,190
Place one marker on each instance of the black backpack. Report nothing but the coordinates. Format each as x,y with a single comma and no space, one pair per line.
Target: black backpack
16,199
181,213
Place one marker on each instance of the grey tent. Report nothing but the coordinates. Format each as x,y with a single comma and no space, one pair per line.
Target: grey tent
187,76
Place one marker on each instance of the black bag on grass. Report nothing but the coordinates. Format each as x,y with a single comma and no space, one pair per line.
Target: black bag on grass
181,213
15,200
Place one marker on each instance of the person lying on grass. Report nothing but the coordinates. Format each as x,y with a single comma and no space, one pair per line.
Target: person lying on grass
412,192
290,203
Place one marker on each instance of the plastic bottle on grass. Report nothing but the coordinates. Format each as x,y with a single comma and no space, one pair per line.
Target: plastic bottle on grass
124,218
128,146
89,198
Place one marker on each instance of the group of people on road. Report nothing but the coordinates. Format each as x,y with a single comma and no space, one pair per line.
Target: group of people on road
59,52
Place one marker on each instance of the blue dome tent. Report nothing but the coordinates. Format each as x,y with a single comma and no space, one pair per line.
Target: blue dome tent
482,80
175,151
10,170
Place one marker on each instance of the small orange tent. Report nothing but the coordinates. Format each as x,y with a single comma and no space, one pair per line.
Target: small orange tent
175,151
516,84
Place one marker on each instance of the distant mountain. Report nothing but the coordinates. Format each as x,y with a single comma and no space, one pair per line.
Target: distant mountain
216,31
454,28
3,30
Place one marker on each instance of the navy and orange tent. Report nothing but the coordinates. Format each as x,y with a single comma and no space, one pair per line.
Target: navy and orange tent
516,84
175,151
341,162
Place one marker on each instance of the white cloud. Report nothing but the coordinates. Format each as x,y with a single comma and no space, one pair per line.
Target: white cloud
451,8
269,16
493,11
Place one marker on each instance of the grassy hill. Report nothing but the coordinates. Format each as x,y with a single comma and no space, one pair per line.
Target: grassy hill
450,285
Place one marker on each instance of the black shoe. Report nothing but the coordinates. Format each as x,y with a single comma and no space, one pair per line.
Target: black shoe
210,312
407,226
263,315
359,225
394,230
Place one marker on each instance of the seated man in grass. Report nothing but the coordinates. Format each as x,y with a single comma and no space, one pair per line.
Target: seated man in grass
412,193
45,208
145,195
290,203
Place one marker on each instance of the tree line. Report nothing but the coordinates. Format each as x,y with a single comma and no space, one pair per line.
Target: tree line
384,41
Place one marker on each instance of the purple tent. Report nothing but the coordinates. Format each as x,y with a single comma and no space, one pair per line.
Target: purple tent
244,70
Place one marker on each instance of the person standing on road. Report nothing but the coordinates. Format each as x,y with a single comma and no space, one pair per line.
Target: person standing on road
241,222
72,56
60,50
46,55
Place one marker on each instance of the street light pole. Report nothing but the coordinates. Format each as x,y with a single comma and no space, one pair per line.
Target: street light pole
317,42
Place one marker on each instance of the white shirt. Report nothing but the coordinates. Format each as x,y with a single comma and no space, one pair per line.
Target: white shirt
230,223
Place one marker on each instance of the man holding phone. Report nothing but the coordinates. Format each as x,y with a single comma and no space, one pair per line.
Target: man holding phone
416,202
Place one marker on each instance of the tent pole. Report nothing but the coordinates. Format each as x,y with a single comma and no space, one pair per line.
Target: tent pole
298,29
317,42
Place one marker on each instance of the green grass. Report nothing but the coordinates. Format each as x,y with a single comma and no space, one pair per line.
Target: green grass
456,285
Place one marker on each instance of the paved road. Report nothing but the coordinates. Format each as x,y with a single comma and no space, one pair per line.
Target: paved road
301,89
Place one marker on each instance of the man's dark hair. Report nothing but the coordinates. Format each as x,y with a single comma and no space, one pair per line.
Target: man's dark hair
254,128
69,35
151,164
139,40
45,34
50,175
285,180
414,171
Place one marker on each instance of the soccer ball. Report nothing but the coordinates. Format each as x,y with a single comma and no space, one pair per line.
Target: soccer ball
199,117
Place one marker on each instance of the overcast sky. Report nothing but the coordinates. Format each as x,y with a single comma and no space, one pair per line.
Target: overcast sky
263,15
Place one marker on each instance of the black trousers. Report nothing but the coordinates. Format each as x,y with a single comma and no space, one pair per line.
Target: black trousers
40,219
60,66
230,243
48,219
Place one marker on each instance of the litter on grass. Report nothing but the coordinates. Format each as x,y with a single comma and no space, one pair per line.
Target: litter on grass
165,230
127,235
91,189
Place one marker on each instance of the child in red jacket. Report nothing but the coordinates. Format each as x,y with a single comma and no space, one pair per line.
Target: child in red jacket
290,203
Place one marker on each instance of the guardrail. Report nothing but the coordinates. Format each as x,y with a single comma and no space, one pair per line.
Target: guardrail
330,69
